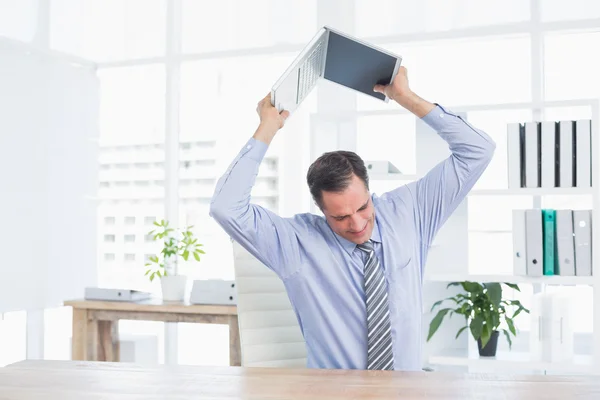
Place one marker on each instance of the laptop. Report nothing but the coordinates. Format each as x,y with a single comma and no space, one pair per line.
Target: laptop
339,58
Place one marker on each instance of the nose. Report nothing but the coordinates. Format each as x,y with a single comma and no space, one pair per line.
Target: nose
356,223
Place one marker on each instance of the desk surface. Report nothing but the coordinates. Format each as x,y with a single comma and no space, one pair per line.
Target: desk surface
66,380
153,306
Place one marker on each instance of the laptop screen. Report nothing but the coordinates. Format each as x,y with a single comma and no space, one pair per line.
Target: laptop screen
356,65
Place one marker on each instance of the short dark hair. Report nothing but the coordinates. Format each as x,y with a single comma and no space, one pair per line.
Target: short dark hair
332,172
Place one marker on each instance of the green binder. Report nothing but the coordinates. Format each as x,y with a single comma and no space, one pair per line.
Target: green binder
549,241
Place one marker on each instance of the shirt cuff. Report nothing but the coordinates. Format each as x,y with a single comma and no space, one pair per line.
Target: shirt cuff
255,150
437,118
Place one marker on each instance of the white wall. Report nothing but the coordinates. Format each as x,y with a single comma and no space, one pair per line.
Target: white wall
48,163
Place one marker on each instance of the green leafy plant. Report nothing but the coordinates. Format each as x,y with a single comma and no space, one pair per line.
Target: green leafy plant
483,308
173,247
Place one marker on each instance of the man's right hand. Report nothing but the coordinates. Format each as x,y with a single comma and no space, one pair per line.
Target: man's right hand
271,120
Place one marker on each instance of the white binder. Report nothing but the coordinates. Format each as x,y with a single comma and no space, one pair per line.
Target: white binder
534,242
540,344
565,251
514,160
582,227
551,334
115,294
565,148
561,328
583,153
548,139
519,244
532,155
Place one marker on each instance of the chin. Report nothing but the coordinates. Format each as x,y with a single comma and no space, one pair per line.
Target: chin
360,239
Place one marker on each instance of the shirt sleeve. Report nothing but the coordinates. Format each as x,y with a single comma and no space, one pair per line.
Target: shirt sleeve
437,194
267,236
445,186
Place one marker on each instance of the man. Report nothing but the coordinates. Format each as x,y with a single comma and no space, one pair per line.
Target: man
354,276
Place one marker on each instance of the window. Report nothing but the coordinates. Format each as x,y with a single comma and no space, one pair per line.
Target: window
18,19
129,257
149,220
109,238
559,10
109,30
570,67
247,24
388,17
109,220
109,257
465,72
132,109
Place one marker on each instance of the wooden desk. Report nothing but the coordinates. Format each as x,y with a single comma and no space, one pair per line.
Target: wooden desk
65,380
95,324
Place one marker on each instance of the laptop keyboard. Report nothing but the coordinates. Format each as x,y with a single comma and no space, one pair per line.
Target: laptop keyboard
310,71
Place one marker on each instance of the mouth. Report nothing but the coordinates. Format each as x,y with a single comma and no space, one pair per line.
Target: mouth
363,230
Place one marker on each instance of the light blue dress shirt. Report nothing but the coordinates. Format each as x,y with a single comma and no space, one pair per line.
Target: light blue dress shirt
323,272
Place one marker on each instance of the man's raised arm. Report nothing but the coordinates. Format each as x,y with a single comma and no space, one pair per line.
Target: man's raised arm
440,191
264,234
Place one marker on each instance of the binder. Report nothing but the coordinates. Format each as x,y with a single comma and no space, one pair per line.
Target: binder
533,242
548,137
551,335
561,328
565,251
548,229
532,154
115,294
519,244
582,228
583,153
566,151
514,150
540,343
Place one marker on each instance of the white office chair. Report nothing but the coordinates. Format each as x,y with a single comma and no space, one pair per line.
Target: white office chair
269,332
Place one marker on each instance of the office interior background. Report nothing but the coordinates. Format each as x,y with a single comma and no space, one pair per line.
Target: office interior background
168,91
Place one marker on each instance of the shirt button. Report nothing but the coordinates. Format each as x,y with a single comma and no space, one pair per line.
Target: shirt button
441,115
249,147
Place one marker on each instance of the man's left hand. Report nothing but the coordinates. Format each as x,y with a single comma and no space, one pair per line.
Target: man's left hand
398,89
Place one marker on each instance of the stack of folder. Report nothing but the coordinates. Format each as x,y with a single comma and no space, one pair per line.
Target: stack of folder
549,154
552,242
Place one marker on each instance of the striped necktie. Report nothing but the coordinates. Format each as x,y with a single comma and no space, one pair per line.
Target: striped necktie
379,336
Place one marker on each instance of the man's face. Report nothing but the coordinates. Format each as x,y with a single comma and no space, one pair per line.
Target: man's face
350,213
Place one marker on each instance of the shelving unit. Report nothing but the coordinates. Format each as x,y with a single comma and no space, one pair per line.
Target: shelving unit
533,192
511,361
448,268
542,280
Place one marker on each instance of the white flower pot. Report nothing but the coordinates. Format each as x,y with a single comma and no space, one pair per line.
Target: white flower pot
173,287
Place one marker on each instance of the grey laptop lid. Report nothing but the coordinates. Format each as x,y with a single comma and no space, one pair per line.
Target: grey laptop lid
339,58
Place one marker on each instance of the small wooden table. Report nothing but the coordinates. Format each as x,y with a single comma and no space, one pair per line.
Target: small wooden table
96,328
66,380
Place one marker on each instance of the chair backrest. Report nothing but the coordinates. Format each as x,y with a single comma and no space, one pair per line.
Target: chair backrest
269,332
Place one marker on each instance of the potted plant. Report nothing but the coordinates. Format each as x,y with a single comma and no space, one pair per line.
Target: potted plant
175,244
484,311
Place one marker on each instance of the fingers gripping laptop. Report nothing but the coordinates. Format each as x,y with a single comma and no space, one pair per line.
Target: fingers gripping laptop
339,58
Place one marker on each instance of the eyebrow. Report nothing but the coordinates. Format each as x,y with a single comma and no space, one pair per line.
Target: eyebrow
361,208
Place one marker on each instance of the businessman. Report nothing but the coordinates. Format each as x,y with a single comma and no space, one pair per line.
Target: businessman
353,275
